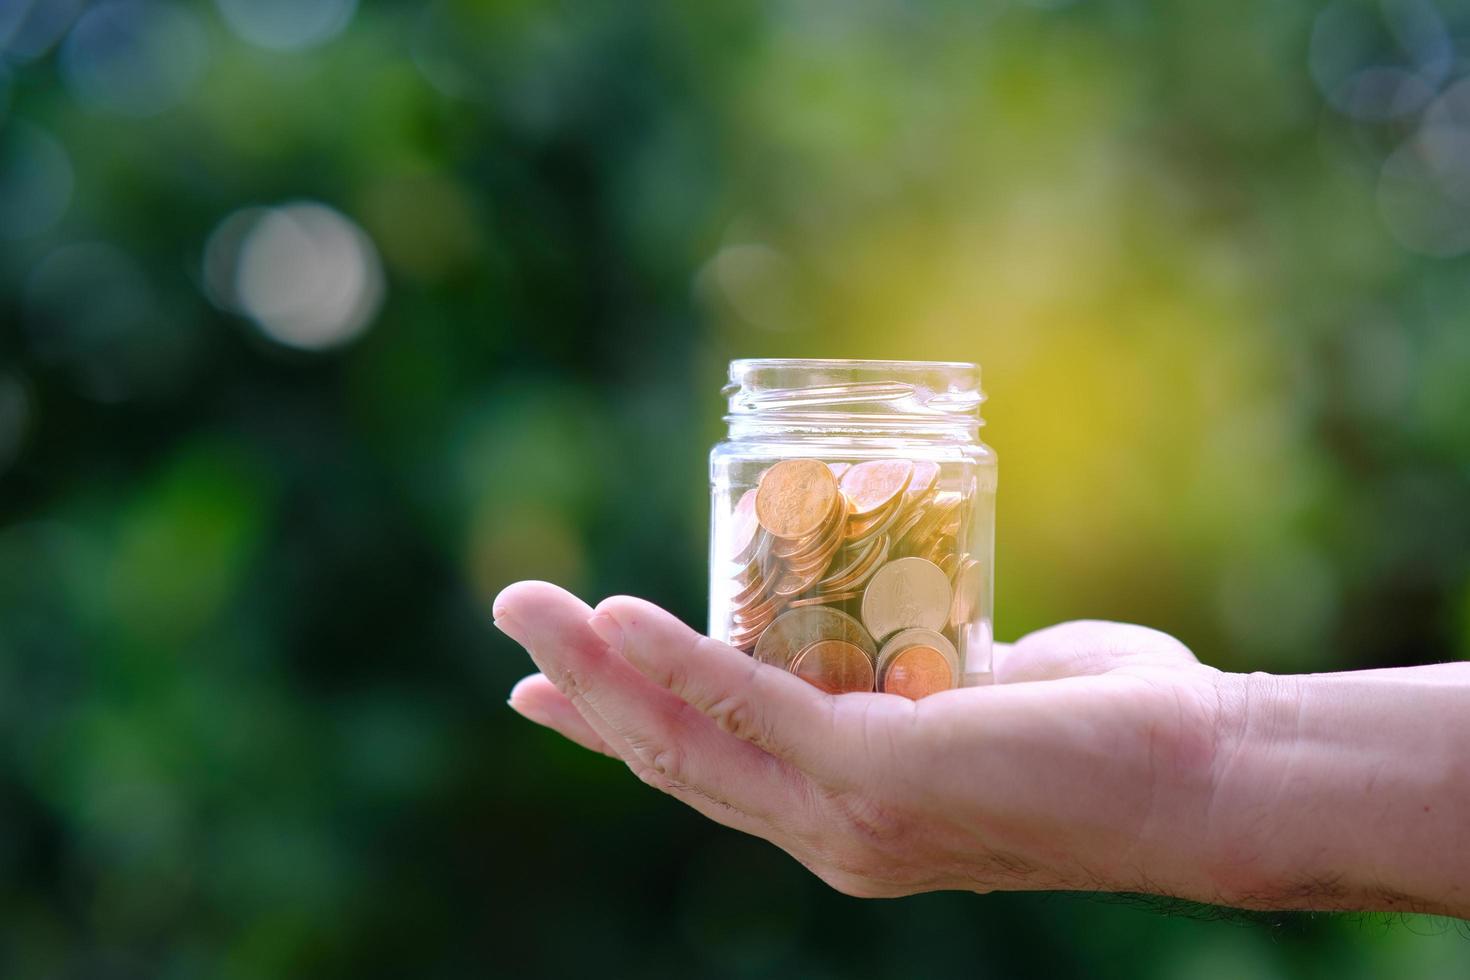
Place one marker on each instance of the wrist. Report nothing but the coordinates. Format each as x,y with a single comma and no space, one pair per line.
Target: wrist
1245,835
1338,791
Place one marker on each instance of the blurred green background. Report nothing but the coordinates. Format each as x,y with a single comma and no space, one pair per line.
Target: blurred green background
320,322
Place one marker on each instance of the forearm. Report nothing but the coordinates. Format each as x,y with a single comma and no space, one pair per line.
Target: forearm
1343,791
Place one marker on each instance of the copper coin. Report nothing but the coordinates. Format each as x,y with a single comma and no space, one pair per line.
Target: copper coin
823,600
786,548
796,497
835,666
744,528
863,529
926,473
906,524
866,560
796,629
817,561
928,661
917,672
860,577
875,484
828,538
906,593
794,583
937,518
754,612
750,593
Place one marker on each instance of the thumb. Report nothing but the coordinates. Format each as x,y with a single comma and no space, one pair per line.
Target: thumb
1085,647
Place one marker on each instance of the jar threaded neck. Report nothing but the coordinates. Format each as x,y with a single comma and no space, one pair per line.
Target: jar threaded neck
937,400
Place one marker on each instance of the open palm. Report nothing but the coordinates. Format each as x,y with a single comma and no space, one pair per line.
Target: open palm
1075,770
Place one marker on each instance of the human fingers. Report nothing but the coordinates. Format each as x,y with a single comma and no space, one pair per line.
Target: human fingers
835,739
536,699
666,742
1085,647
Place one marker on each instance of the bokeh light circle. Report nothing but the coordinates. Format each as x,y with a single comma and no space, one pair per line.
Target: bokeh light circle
29,29
286,25
134,57
308,276
1376,62
35,180
1424,192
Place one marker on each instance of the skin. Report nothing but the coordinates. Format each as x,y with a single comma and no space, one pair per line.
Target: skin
1105,758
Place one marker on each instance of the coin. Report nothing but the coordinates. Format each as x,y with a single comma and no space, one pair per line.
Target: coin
744,529
825,540
835,666
906,593
794,583
875,484
916,663
938,518
795,497
750,593
856,575
822,600
758,610
798,628
926,473
969,587
860,529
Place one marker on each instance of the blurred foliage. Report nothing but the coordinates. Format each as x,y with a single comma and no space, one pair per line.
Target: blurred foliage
318,325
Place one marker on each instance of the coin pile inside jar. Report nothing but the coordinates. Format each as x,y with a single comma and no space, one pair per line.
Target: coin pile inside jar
852,576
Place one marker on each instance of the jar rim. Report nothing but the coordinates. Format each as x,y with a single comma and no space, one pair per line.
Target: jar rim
752,363
771,395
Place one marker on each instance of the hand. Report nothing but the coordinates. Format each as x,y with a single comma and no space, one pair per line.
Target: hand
1105,758
1098,738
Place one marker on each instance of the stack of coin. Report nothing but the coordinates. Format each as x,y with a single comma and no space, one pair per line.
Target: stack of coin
835,560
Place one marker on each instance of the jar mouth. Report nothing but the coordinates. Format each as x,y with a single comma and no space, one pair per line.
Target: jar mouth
878,395
743,364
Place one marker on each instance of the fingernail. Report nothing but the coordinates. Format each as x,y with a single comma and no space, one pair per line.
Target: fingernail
608,631
507,625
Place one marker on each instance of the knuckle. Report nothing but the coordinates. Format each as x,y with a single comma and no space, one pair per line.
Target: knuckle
669,763
570,682
736,715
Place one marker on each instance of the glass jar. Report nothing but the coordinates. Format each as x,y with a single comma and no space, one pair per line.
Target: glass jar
853,523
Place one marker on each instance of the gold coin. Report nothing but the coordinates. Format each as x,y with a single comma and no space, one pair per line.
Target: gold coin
969,589
875,484
795,497
796,629
835,666
916,663
906,593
